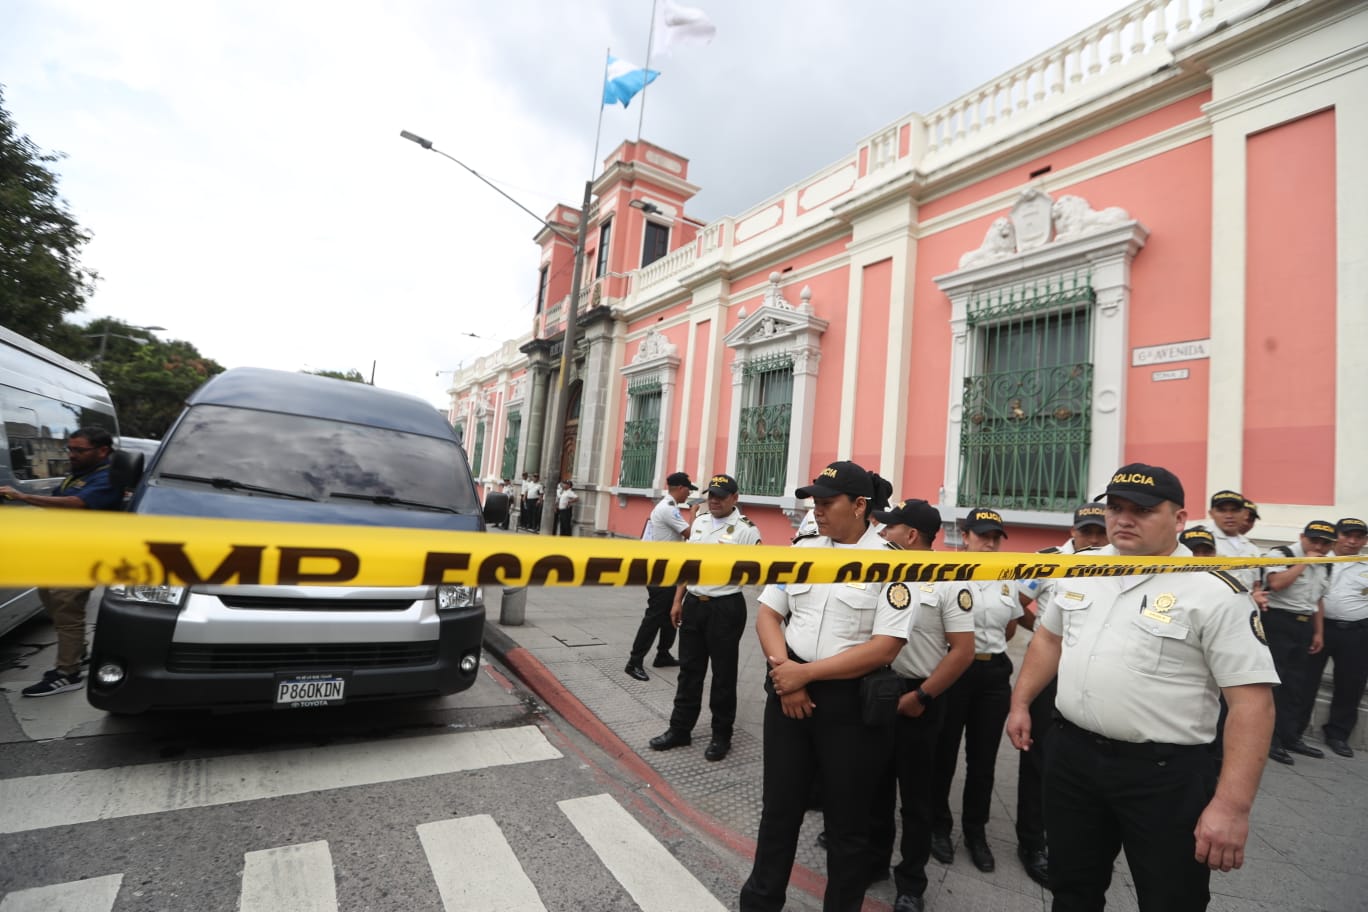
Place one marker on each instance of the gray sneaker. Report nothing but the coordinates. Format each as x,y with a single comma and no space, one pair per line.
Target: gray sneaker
54,682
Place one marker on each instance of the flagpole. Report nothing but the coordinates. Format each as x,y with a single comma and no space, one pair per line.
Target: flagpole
598,130
650,39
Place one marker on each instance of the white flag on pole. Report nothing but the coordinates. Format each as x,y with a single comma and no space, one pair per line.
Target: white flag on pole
677,25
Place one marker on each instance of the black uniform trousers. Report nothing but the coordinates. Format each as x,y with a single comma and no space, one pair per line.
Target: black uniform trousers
1030,824
1347,643
832,747
976,710
1102,796
563,522
710,630
907,773
1289,638
659,600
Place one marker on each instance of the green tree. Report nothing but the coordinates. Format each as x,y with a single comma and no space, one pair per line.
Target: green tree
350,374
41,277
148,381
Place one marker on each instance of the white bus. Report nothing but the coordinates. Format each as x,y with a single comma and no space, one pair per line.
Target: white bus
44,397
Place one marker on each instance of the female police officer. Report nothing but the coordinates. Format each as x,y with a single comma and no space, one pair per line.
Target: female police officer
834,635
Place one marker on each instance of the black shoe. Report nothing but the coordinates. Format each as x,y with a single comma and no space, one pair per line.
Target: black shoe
906,902
671,738
717,750
942,849
1301,747
1036,863
1340,747
980,854
1278,755
637,671
665,660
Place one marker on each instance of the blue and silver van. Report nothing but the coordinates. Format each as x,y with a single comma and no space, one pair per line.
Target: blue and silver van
257,444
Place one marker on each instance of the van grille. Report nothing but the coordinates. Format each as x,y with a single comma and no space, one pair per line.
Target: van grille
280,603
192,658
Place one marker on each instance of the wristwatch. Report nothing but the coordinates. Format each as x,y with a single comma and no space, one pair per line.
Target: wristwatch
924,698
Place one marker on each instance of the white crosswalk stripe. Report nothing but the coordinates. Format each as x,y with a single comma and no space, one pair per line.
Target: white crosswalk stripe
475,867
58,799
645,868
295,877
96,894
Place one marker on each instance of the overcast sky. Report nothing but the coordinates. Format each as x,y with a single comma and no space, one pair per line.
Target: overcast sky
240,166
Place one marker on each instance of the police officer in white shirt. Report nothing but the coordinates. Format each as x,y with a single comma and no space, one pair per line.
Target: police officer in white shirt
927,670
814,731
666,523
711,620
1228,516
976,707
533,495
1346,635
1140,661
565,508
1295,624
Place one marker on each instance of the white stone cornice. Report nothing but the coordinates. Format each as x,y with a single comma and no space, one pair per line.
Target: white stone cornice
1124,238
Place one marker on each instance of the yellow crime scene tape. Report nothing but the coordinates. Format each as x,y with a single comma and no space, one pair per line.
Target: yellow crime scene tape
62,548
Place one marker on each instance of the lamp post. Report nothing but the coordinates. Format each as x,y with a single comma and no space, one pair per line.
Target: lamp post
104,338
552,451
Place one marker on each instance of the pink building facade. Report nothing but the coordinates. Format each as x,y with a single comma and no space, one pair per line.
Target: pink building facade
1148,243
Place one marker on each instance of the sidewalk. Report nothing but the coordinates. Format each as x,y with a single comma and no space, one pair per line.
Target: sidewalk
1306,847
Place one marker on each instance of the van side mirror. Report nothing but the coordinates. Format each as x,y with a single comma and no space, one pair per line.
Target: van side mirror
125,469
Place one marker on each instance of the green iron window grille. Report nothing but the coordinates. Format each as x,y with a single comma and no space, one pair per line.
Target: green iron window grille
641,435
1027,415
763,438
478,454
510,451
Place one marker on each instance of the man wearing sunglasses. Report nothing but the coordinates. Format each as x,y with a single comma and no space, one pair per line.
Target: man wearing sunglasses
87,487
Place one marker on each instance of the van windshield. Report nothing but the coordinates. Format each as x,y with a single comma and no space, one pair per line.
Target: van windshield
315,458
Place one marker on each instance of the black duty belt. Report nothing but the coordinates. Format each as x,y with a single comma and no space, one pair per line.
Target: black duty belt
1147,749
1348,625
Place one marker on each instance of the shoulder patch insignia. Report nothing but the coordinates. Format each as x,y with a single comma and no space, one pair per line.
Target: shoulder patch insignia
899,596
745,520
965,600
1256,625
1234,584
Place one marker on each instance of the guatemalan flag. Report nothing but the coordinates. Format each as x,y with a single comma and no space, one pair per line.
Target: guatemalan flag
624,79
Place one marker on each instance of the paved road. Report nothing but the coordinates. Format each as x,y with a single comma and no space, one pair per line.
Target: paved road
478,801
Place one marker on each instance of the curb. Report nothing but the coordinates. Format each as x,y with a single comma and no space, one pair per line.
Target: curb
554,694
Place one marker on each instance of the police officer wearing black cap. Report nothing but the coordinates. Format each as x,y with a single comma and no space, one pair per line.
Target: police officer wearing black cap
820,639
927,670
1346,635
666,523
1199,541
711,620
976,706
1295,624
1140,659
1089,531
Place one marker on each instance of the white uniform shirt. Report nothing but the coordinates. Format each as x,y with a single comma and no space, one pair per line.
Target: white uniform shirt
933,617
565,497
1144,657
1237,546
533,491
1039,589
733,530
1347,597
666,523
828,618
1303,596
993,603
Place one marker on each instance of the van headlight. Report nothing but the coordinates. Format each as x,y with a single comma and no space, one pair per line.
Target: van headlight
172,596
458,597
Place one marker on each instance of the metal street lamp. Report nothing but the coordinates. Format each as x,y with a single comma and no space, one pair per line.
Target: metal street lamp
552,448
104,338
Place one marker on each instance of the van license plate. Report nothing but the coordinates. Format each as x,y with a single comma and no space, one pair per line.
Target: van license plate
300,691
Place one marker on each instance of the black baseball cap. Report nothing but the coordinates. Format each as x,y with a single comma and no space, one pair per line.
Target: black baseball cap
1090,515
839,478
981,520
1252,507
722,485
1234,497
1198,535
1350,525
918,514
680,479
1145,485
1320,528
